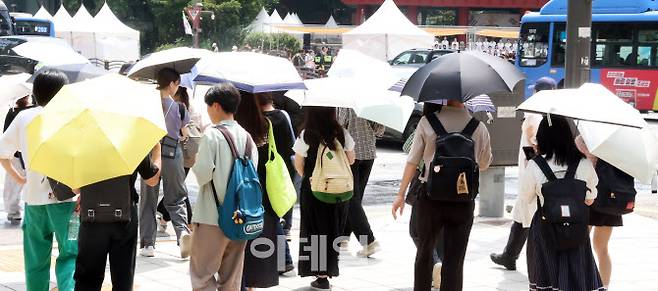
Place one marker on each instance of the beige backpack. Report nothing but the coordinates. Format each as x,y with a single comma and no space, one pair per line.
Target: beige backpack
332,180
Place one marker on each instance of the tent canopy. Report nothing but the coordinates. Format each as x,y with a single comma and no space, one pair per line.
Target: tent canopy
63,20
43,14
498,33
386,33
331,23
275,18
116,41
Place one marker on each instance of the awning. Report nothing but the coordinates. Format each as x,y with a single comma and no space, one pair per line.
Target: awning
499,33
316,29
441,31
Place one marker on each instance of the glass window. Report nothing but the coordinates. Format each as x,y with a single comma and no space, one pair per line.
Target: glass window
613,55
437,16
644,56
419,58
533,49
402,59
648,35
613,32
559,44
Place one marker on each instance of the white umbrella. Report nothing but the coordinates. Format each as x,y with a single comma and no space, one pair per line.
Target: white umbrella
14,87
590,102
354,64
181,59
632,150
249,72
50,53
373,103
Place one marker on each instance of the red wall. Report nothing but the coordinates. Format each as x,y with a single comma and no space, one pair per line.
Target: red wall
527,4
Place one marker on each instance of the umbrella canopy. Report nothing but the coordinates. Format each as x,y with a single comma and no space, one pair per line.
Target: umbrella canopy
181,59
354,64
87,134
249,72
14,87
75,73
590,102
49,53
632,150
462,76
372,103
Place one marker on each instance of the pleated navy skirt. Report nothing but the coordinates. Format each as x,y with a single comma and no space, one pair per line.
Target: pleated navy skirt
551,270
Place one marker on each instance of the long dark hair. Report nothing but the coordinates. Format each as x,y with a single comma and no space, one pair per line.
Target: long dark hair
321,127
183,96
557,142
251,118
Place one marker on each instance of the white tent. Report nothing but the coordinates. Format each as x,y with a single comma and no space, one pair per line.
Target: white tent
82,33
275,18
386,33
104,37
43,14
115,41
299,21
63,24
261,23
331,22
289,20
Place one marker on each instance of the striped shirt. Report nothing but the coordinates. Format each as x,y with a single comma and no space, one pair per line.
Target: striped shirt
364,132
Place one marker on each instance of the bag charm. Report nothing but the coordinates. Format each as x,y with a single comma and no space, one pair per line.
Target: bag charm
462,184
238,217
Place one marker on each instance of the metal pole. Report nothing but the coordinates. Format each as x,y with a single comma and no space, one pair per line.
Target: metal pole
579,39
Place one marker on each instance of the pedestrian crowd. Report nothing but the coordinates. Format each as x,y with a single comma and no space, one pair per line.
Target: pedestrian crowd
237,233
503,48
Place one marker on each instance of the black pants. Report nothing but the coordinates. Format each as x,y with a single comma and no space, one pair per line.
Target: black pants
517,237
437,254
98,240
456,220
357,221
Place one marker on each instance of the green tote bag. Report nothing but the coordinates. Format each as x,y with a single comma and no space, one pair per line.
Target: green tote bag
280,189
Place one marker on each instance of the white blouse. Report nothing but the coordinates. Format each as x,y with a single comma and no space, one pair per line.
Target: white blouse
300,147
530,183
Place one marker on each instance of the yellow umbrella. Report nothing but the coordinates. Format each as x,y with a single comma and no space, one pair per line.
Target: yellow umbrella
95,130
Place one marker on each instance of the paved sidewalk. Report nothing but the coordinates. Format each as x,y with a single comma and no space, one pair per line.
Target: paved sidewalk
634,249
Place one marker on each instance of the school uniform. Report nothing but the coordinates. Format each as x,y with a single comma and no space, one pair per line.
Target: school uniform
321,223
117,239
548,269
44,215
456,219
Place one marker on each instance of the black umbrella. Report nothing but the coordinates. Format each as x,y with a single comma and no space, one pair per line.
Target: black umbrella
462,76
75,73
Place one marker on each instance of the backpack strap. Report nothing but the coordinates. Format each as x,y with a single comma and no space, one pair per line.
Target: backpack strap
231,142
544,167
471,127
571,171
436,124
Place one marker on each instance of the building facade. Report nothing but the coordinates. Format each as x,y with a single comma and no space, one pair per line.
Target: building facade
452,12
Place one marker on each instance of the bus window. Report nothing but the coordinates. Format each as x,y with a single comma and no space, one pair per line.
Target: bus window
559,44
647,46
613,45
533,48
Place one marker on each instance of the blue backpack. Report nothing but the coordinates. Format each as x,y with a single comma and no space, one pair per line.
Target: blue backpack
241,214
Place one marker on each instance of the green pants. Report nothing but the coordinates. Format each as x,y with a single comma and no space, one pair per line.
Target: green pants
39,225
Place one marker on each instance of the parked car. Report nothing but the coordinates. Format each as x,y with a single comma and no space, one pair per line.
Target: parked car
404,65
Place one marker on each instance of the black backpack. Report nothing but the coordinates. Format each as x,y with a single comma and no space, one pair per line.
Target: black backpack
457,179
106,201
616,190
564,215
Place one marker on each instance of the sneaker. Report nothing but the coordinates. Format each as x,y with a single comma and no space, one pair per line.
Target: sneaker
289,267
436,275
185,245
148,251
369,250
321,284
14,219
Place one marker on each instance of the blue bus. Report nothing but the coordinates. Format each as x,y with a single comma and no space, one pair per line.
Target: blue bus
624,49
6,27
33,26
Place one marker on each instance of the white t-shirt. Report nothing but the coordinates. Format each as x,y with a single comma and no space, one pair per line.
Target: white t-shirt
14,139
301,148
